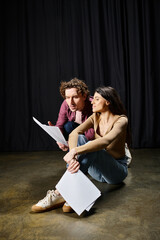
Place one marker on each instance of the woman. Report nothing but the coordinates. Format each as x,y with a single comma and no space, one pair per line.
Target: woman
104,157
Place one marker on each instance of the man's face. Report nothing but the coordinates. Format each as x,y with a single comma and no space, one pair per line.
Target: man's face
75,101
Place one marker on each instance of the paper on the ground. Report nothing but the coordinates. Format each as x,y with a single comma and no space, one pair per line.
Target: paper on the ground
90,206
53,131
78,191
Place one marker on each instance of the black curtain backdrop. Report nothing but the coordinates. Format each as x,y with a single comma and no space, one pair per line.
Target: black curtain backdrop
104,42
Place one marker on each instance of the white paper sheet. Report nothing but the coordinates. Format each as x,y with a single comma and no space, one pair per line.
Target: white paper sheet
53,131
78,191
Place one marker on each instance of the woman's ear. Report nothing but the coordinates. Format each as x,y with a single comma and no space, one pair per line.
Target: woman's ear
107,103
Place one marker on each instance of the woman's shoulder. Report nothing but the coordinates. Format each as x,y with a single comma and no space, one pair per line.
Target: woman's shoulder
121,118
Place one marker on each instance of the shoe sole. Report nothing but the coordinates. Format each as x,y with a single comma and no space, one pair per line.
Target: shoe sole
39,209
67,209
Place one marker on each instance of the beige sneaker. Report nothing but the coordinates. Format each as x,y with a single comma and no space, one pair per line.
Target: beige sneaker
66,208
50,201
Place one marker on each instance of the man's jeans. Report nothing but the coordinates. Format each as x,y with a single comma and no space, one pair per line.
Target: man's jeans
68,128
101,165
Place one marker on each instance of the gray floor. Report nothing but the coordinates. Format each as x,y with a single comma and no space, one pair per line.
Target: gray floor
129,211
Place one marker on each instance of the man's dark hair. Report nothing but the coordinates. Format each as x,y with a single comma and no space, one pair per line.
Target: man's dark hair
74,83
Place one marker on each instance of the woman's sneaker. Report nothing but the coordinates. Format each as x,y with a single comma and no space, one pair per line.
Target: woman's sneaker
50,201
66,208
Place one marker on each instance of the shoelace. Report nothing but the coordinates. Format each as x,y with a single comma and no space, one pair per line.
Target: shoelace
48,197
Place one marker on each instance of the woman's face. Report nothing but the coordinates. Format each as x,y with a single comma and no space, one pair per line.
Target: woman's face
99,104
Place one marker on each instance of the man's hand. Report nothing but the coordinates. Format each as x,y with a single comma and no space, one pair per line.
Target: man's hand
62,146
50,124
71,155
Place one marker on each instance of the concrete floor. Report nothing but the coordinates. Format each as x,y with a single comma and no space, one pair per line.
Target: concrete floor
130,211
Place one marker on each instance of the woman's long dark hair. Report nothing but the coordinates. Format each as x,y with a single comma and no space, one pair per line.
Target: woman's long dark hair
116,106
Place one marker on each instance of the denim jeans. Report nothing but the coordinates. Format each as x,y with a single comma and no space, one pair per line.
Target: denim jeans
101,165
69,127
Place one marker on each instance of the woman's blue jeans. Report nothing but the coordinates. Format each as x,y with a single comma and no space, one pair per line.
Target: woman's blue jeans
101,165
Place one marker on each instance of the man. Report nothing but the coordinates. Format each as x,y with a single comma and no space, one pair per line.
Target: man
75,109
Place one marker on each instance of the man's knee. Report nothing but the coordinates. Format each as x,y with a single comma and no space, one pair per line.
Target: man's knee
69,127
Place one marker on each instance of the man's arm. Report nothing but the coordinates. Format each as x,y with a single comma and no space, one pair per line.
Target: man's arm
62,116
62,119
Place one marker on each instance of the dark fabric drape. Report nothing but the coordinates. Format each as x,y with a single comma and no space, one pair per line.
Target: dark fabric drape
104,42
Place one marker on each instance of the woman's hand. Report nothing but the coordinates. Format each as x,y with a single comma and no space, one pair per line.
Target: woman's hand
71,159
71,155
73,166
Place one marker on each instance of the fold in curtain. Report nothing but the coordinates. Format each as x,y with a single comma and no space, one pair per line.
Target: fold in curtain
107,42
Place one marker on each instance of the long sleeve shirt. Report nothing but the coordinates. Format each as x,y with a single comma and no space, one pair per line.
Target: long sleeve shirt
65,115
113,141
